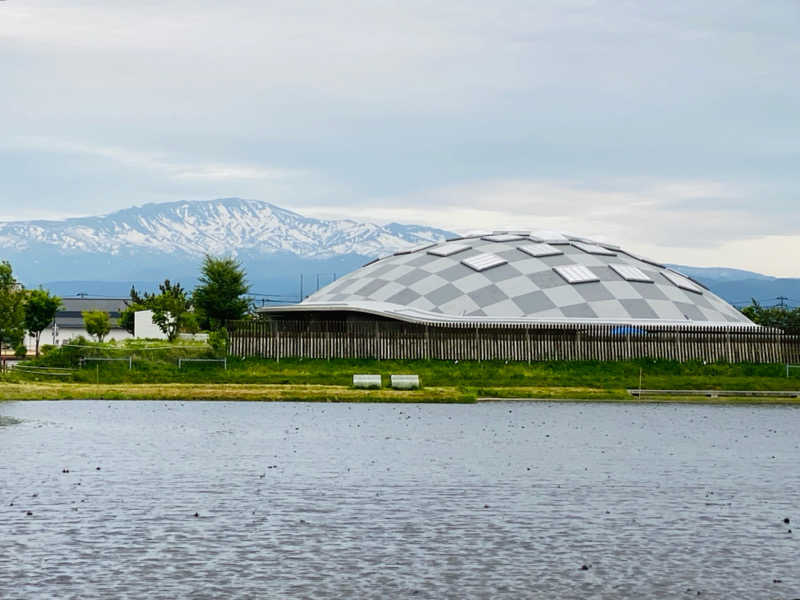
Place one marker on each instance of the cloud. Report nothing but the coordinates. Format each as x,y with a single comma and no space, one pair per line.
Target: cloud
697,222
668,125
156,161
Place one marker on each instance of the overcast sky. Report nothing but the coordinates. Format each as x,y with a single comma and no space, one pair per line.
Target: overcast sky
672,128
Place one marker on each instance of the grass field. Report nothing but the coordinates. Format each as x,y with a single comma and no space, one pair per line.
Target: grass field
242,392
155,374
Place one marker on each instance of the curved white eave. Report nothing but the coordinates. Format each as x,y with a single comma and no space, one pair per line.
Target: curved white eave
423,317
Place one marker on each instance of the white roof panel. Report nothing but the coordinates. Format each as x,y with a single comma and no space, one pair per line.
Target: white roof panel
503,237
576,274
682,282
449,249
539,250
593,249
481,262
630,273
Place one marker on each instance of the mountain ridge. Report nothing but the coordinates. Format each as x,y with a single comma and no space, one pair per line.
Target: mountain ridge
277,246
222,226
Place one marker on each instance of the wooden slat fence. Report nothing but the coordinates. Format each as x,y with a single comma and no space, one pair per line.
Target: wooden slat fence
397,340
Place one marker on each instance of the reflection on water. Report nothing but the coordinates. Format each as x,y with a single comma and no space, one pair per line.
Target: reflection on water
208,500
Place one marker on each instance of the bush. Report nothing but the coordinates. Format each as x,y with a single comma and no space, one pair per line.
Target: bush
218,340
45,349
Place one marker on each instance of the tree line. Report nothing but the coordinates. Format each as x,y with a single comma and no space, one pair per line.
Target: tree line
780,317
219,296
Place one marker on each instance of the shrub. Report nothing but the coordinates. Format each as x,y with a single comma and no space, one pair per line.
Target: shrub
218,340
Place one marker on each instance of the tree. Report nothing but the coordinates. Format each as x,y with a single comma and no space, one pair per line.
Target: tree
219,297
12,308
132,306
40,310
97,323
171,309
127,318
787,319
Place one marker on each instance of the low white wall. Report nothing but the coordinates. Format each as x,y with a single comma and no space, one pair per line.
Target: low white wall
64,334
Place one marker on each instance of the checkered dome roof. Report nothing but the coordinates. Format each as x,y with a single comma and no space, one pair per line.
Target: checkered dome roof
513,277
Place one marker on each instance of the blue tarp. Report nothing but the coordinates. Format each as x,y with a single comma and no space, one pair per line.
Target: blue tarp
628,330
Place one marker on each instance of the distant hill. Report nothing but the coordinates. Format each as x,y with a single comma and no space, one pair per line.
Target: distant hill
141,246
740,287
155,241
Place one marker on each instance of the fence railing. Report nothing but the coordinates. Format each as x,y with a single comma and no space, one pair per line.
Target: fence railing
395,340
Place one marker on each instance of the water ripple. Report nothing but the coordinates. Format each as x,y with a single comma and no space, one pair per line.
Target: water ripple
242,500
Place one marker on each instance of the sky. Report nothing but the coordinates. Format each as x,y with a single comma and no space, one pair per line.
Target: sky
671,128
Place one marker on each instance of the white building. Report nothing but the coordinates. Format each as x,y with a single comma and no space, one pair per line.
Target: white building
68,323
143,326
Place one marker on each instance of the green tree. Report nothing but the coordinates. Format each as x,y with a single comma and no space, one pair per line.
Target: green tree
132,306
12,308
127,318
787,319
97,323
40,310
220,295
171,309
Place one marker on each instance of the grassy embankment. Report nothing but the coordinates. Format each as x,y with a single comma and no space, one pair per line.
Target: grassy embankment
155,375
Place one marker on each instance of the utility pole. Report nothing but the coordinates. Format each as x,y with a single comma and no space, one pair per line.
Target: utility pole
301,287
782,301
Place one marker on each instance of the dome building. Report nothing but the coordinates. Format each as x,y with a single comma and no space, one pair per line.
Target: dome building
518,279
514,296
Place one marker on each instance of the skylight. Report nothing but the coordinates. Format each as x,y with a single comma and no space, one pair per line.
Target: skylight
539,250
449,249
576,274
631,273
548,236
593,249
482,262
503,237
417,248
682,282
644,259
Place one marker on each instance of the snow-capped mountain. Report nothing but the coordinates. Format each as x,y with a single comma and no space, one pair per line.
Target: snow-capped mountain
226,226
283,252
148,244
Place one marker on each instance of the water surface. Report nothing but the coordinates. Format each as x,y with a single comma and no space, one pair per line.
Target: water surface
506,500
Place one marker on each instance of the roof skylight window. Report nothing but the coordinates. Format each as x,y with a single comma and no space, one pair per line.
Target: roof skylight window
482,262
449,249
547,235
539,250
576,274
593,249
421,247
682,282
631,273
503,237
644,259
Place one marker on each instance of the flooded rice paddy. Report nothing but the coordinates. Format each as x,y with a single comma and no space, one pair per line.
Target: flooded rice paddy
507,500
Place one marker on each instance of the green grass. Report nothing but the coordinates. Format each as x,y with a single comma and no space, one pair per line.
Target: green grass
594,380
228,392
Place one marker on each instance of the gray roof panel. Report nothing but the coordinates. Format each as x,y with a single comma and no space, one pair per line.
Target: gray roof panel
434,286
